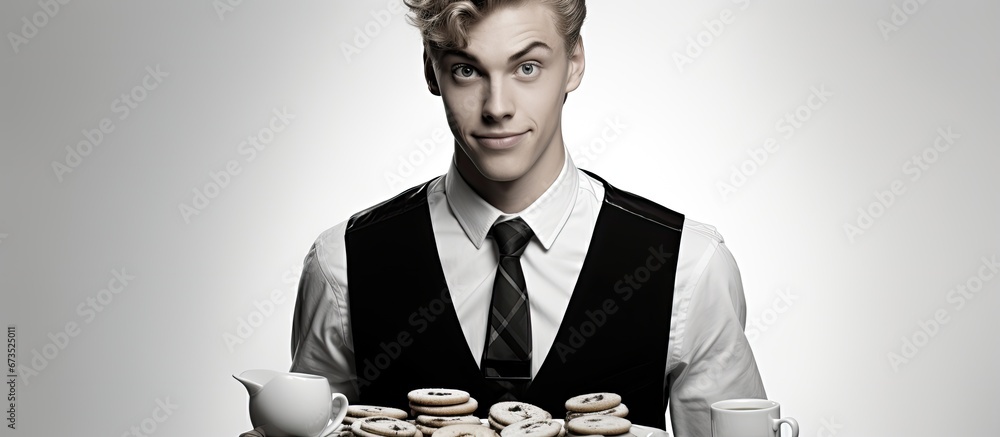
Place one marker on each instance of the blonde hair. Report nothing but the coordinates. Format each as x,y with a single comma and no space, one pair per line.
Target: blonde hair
444,24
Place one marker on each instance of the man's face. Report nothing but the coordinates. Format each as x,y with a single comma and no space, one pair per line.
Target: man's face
503,93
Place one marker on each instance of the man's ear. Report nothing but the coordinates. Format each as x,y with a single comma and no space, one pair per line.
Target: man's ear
577,63
430,75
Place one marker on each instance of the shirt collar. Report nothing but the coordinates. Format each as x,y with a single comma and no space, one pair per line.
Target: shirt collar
546,215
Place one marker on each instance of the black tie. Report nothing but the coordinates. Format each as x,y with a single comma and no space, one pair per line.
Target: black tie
507,355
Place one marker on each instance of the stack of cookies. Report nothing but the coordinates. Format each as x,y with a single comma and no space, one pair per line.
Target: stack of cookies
436,408
595,404
596,414
503,414
355,412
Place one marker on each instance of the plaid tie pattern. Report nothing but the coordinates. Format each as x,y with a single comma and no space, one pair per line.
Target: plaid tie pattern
507,355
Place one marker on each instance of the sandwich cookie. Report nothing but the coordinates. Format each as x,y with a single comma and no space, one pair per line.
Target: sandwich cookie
508,412
438,396
383,426
533,428
593,402
601,425
493,424
462,409
465,431
443,421
429,424
355,412
619,410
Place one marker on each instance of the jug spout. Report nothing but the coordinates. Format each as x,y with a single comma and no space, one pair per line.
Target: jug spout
252,387
254,380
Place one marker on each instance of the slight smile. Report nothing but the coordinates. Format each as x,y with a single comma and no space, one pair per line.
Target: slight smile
499,141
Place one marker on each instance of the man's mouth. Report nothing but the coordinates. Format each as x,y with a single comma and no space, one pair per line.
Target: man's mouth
500,140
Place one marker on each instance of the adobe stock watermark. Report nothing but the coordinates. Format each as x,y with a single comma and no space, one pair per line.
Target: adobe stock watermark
787,125
914,167
149,424
123,106
610,134
712,30
783,301
718,364
408,163
201,197
37,22
11,382
223,7
829,427
899,16
367,32
624,289
262,310
88,310
959,296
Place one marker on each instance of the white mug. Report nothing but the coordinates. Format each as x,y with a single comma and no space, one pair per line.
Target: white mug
749,418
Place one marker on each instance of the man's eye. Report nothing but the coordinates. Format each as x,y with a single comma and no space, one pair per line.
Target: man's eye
528,69
463,71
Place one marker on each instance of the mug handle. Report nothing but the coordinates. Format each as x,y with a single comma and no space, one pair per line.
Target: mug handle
776,425
336,421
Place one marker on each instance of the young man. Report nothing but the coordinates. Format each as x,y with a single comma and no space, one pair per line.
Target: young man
516,275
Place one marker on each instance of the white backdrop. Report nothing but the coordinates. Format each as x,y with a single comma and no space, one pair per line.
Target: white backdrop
149,250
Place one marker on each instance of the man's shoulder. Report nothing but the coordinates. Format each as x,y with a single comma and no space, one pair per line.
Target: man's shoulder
638,205
702,231
703,252
332,239
328,251
405,201
693,230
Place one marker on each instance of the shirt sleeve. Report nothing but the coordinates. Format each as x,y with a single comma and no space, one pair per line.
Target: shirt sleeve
321,338
713,360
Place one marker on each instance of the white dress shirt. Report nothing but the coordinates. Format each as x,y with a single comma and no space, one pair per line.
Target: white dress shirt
709,358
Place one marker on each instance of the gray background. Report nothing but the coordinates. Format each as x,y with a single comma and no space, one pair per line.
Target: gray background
823,352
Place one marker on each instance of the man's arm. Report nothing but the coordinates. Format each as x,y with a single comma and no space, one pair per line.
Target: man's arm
321,337
714,360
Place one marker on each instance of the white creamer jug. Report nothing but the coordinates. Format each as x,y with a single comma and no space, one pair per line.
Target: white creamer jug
292,404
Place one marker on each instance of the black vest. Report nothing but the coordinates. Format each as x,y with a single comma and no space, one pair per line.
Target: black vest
613,336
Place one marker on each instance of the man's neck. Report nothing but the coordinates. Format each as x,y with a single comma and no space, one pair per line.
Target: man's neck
516,195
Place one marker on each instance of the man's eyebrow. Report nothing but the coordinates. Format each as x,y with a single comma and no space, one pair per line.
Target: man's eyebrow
461,54
527,50
512,58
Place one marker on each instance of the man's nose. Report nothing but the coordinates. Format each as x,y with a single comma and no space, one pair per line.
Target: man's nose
499,102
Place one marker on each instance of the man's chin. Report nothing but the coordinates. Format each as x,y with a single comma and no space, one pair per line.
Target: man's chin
501,174
495,171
